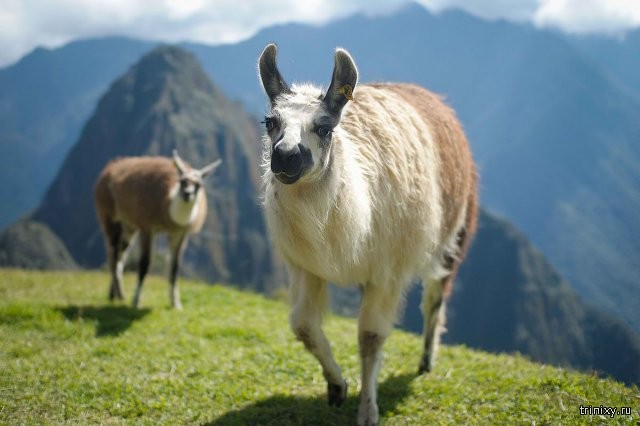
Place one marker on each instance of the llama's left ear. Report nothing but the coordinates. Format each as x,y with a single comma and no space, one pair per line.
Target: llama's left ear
210,168
272,81
345,77
177,161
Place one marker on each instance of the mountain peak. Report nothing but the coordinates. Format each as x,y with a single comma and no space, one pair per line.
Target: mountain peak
169,59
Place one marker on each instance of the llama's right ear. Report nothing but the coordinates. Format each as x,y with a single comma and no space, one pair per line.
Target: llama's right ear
177,161
272,81
206,170
343,81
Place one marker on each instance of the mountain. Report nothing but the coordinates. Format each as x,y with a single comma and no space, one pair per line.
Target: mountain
32,245
166,101
552,121
617,56
508,298
44,100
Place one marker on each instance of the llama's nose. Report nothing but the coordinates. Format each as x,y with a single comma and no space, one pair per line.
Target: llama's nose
286,160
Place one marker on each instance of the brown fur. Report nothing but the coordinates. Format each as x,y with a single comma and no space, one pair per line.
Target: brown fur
458,177
457,171
136,195
135,191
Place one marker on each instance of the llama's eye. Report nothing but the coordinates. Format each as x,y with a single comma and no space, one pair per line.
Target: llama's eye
269,123
323,131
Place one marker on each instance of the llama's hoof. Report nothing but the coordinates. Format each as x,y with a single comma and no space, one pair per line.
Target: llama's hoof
423,369
425,365
336,393
368,414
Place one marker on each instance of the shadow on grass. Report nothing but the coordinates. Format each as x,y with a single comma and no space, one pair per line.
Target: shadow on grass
291,410
111,320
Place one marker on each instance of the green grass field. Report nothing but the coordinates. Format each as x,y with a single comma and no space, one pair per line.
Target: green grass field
68,356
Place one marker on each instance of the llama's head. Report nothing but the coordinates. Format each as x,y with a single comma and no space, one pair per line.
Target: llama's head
301,121
190,179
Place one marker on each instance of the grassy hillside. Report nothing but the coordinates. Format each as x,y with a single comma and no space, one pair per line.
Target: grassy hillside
229,358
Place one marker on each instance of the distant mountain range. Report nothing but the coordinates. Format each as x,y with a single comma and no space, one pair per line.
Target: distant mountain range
509,298
620,58
553,121
45,99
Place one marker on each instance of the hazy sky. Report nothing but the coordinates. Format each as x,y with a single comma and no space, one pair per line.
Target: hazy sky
25,24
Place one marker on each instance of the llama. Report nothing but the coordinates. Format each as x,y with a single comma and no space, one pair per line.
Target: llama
378,193
141,196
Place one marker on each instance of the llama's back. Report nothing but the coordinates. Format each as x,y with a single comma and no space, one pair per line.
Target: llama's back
135,190
419,168
457,170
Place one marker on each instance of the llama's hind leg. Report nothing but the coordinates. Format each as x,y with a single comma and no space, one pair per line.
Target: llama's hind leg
433,310
378,313
127,239
113,231
309,299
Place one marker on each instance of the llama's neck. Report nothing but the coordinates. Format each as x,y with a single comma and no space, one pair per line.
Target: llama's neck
324,221
341,185
182,212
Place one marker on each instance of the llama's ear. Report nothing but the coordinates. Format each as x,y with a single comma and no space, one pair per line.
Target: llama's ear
345,77
177,161
272,81
210,168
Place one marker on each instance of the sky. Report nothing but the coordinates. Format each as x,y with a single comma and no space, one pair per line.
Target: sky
26,24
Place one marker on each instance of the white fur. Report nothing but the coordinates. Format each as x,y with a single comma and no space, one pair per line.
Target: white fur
358,197
183,212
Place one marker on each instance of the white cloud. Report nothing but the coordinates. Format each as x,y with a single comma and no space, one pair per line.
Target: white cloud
25,24
589,16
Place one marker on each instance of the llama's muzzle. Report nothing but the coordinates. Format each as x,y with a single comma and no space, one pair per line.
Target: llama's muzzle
287,163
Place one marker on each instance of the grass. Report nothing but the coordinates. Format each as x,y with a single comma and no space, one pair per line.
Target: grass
68,356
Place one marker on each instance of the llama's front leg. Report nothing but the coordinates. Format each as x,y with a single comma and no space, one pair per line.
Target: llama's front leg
143,265
377,315
309,299
177,243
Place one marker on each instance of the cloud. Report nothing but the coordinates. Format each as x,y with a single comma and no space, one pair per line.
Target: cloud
589,16
25,24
